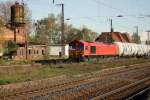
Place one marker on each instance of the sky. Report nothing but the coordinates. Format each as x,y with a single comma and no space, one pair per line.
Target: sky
96,14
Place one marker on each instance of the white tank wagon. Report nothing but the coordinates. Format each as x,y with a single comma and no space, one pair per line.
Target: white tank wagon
143,50
139,49
146,49
132,49
125,49
120,48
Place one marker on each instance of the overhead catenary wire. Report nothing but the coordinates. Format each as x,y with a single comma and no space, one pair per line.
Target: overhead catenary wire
137,16
106,5
92,18
122,11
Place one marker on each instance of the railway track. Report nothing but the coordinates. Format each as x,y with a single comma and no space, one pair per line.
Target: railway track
68,61
124,91
95,87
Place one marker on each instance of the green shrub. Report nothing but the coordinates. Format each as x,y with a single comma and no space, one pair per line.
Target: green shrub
3,82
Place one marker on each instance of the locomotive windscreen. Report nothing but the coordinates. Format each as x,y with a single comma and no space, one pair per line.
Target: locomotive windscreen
76,46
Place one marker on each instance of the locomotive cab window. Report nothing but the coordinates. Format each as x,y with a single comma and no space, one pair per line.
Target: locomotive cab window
93,49
72,47
76,47
81,47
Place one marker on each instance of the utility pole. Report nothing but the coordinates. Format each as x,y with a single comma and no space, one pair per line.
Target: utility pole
111,26
53,1
111,31
15,34
148,41
137,30
26,38
62,27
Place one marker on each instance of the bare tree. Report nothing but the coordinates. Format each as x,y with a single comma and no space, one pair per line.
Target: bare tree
5,10
28,20
1,22
136,38
48,30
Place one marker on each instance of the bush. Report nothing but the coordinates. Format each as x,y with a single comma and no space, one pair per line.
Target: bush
13,62
3,82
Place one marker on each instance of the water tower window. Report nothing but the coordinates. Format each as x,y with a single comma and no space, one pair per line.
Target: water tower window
37,52
29,52
20,52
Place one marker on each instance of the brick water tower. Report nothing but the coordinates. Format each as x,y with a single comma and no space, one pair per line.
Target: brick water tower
18,23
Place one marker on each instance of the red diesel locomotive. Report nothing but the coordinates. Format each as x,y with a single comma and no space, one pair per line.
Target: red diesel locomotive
82,50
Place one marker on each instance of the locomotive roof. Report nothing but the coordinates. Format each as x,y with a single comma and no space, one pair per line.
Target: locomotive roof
87,42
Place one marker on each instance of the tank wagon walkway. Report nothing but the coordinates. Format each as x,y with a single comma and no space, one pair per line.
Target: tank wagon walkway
110,84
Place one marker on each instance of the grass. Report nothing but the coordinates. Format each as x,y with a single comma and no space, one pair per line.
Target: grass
64,69
13,62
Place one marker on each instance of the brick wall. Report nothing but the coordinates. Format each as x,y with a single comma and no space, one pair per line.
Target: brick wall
35,52
7,34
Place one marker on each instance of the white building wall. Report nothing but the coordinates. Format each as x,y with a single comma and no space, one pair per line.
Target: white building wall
54,50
